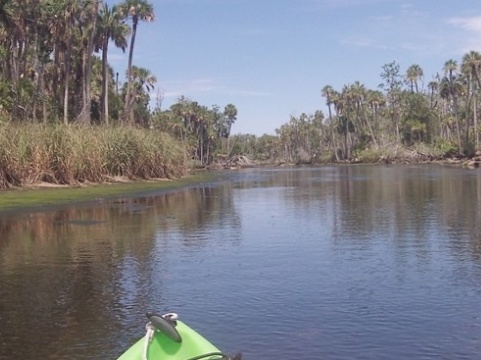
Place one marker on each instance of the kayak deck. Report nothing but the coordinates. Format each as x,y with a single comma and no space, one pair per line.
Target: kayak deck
192,346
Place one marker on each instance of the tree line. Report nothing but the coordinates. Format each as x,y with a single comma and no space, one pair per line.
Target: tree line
441,116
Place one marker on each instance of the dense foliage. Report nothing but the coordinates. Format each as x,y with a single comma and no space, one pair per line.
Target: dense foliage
443,116
362,124
55,66
54,70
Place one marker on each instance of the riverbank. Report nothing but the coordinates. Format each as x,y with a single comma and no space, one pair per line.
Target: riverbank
383,155
44,195
46,165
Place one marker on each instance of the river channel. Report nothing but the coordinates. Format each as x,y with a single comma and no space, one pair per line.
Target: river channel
358,262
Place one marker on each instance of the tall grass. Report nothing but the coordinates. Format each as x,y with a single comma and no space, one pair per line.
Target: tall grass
30,153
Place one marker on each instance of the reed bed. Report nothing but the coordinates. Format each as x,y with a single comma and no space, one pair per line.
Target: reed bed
70,154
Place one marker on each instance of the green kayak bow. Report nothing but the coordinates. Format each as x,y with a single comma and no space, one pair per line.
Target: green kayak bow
167,338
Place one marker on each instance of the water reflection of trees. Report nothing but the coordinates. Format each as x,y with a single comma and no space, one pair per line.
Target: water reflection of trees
404,204
398,203
61,268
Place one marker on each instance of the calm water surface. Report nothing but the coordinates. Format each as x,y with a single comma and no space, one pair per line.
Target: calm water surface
307,263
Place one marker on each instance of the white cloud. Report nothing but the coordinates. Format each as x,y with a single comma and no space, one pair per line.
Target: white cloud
366,43
248,93
200,86
381,18
194,86
471,24
471,40
347,3
414,32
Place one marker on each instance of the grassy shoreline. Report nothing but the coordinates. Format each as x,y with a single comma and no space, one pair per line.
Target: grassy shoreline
45,197
76,154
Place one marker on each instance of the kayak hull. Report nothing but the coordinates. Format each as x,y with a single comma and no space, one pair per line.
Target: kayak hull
162,347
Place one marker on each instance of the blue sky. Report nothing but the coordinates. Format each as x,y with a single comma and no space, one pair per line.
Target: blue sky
271,58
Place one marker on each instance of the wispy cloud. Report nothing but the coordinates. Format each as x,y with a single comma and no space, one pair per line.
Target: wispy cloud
471,24
471,39
202,86
191,87
406,27
249,93
344,3
366,43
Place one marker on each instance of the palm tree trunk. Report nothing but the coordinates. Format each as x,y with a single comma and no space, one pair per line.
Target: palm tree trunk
67,78
55,75
87,68
458,129
105,81
41,86
127,113
475,121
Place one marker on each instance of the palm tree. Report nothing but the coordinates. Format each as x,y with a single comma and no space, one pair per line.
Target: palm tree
413,74
69,10
230,114
9,32
471,66
450,88
376,99
88,19
136,10
360,96
111,27
8,27
143,82
142,78
450,68
434,87
327,92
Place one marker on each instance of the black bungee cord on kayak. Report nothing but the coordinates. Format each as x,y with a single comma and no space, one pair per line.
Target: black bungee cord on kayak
223,356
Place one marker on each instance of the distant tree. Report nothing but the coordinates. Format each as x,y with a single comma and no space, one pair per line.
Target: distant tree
230,115
143,81
471,66
451,88
413,74
327,92
392,87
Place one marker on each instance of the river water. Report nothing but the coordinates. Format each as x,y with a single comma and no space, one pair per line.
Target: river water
357,262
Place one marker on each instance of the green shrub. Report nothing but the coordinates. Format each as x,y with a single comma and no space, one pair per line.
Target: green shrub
370,155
